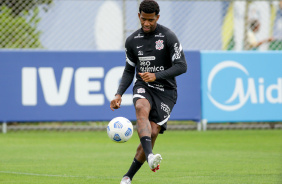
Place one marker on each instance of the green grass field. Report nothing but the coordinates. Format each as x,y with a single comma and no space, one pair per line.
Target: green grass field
227,157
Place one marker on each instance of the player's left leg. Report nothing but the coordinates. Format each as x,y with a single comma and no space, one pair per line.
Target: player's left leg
140,157
154,160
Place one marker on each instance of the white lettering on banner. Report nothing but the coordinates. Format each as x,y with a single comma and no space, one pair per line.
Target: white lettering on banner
278,88
112,81
85,86
239,92
52,94
29,86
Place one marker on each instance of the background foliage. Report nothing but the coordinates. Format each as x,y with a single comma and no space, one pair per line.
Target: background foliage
19,21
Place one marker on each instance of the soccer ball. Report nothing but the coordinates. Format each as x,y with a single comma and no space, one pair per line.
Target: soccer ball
120,129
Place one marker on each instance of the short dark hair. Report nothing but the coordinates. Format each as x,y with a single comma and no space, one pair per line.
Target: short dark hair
149,6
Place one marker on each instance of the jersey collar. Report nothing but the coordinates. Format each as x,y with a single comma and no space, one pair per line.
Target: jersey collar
151,33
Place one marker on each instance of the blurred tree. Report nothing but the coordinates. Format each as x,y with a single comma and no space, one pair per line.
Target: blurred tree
18,23
18,32
19,6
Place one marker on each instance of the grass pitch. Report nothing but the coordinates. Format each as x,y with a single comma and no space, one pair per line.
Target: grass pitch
190,157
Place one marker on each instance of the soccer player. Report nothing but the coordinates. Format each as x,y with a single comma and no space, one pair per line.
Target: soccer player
157,56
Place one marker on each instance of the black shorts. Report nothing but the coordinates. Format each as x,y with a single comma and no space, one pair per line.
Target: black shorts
162,103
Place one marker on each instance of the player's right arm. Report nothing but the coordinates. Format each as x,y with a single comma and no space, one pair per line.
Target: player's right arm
127,76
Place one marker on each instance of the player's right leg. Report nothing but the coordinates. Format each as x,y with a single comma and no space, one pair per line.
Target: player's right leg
143,125
145,128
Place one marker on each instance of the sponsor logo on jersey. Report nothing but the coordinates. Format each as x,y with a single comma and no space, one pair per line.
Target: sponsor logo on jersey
177,52
140,53
160,35
140,90
145,64
159,44
165,108
139,46
159,87
151,69
147,58
139,36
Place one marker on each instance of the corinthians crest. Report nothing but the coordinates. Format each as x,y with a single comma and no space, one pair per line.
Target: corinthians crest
159,44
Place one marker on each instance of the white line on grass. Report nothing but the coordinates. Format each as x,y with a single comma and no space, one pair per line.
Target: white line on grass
55,175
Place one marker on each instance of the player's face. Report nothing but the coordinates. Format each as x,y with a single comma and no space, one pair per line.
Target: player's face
148,21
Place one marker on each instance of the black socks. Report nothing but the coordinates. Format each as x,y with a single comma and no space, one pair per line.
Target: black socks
135,166
147,145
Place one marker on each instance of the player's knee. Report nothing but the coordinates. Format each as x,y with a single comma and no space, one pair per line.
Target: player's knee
138,107
141,109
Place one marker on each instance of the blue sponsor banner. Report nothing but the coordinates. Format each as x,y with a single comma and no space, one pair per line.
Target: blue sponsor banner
188,106
241,86
78,86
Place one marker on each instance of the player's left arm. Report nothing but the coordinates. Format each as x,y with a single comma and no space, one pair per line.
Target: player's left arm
179,64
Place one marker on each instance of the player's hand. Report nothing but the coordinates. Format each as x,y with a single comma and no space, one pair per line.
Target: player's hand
148,77
115,103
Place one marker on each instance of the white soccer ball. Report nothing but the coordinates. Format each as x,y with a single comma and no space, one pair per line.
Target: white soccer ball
120,129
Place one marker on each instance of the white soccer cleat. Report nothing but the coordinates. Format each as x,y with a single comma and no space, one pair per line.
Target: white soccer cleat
125,180
154,161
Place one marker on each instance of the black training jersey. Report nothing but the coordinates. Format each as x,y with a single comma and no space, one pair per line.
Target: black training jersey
156,52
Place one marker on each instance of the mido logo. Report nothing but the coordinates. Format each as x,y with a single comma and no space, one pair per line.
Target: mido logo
256,90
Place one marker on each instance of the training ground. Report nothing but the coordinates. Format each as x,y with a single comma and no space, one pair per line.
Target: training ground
211,157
